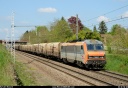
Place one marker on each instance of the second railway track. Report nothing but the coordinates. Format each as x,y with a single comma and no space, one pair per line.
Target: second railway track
88,77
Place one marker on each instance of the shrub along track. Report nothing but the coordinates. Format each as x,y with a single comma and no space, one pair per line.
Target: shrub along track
18,80
16,76
96,78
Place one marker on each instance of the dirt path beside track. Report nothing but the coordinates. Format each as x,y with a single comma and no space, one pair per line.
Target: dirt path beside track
46,76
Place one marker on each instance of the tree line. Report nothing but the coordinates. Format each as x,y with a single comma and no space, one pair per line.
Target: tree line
62,30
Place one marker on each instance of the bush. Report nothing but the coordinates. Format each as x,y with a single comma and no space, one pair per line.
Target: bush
6,69
117,63
109,49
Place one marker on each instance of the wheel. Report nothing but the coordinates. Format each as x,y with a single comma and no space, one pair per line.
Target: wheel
80,64
59,59
65,60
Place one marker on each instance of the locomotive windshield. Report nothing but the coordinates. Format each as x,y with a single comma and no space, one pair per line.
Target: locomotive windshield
99,46
95,47
90,46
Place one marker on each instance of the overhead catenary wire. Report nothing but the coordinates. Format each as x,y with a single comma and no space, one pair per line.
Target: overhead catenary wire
111,21
108,12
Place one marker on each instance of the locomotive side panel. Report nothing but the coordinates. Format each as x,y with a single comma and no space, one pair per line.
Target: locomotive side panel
63,51
71,54
80,53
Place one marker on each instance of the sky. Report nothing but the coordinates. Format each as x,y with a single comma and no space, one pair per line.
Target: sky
45,12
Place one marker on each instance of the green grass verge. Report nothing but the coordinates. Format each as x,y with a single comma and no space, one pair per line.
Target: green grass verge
24,75
117,63
6,71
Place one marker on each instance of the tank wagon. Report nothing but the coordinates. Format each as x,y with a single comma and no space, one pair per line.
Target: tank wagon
87,53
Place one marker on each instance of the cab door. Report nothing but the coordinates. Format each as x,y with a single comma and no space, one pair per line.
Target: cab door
79,53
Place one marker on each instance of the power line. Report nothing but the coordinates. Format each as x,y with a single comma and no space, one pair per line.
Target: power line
111,21
108,12
26,26
116,19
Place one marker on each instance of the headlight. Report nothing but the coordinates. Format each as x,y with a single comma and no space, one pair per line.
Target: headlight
102,57
90,57
95,57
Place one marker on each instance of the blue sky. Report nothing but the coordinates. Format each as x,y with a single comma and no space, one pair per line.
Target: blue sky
44,12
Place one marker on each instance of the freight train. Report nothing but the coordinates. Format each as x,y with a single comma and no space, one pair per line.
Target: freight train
88,53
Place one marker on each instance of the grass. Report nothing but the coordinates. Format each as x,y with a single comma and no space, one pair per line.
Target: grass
6,71
24,75
117,63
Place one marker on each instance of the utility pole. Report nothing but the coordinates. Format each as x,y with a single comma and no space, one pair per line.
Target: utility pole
12,38
77,27
7,47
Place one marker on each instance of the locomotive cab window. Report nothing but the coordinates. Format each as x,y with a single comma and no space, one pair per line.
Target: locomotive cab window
82,50
63,48
90,46
99,46
79,49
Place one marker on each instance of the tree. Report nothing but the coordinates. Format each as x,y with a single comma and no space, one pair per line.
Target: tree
62,18
72,23
102,28
24,37
27,31
85,34
94,29
117,40
116,29
60,31
43,34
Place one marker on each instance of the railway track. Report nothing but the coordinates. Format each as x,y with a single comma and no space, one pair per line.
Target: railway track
80,74
114,75
125,77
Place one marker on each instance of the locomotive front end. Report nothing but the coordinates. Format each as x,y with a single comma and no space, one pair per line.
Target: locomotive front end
96,58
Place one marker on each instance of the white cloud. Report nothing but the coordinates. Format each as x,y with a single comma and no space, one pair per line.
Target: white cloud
125,14
103,18
47,10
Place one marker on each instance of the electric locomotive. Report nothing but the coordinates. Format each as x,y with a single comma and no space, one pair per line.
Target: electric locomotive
88,53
